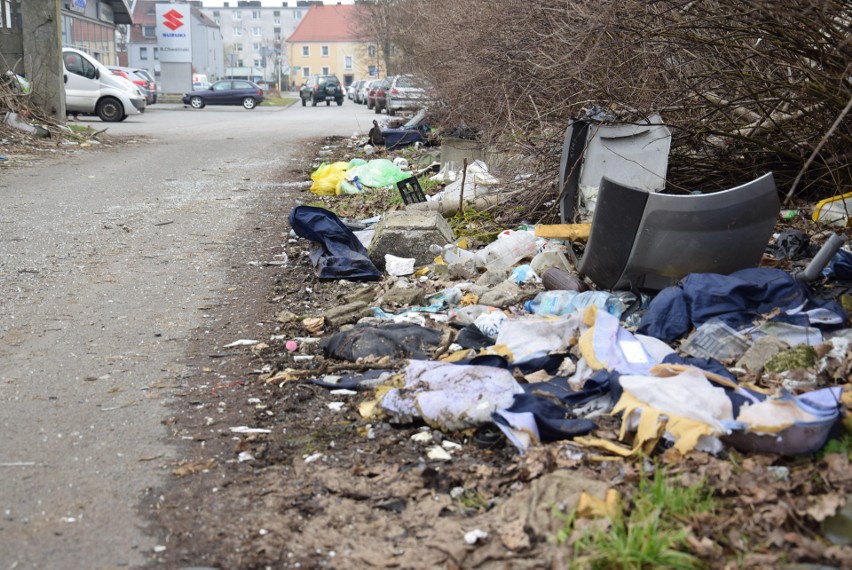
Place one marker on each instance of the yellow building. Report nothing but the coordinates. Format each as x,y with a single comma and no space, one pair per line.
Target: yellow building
327,42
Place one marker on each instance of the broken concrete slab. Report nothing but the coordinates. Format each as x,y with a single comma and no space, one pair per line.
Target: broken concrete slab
346,314
409,234
404,296
759,353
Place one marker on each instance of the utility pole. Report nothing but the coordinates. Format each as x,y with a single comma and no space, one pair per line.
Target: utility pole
43,55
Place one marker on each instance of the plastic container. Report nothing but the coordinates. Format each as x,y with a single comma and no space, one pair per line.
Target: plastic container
715,339
566,302
507,250
550,259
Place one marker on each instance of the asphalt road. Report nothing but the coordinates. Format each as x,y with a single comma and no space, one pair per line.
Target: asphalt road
107,261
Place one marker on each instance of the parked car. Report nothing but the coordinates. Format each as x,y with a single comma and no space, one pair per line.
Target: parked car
141,78
354,88
321,88
92,89
226,92
369,90
364,90
406,92
381,94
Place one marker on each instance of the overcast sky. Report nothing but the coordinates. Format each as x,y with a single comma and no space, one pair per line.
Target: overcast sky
271,3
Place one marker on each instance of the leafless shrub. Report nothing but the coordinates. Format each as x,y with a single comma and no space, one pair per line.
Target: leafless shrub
746,86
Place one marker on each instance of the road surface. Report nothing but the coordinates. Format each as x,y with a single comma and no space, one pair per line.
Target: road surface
108,259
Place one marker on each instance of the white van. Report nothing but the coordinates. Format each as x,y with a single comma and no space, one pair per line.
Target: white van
92,89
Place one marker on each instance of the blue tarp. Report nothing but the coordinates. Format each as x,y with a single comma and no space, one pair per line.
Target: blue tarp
339,254
737,299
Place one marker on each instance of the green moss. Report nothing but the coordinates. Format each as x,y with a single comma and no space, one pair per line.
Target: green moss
802,356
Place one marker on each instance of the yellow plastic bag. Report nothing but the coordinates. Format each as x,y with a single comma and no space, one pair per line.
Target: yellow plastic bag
326,178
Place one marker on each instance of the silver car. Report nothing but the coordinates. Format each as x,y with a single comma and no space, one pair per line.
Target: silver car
406,92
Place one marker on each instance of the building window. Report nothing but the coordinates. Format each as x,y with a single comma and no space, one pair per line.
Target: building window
347,62
326,71
255,46
297,14
215,13
237,15
306,71
255,14
371,51
143,53
324,50
277,32
306,51
149,31
256,32
239,63
276,21
239,47
238,31
276,13
257,63
156,53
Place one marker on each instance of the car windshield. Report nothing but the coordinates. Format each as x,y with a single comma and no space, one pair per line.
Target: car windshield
404,81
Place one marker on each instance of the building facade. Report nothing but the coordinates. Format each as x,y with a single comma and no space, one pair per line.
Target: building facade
143,49
90,26
254,35
328,42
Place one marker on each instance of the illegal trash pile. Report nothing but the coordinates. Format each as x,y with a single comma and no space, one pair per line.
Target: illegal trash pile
682,369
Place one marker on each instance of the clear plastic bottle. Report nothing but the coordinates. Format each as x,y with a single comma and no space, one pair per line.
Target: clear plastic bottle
507,250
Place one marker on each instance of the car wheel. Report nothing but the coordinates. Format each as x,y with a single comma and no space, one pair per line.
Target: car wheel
339,102
196,102
304,102
122,118
249,103
328,103
110,110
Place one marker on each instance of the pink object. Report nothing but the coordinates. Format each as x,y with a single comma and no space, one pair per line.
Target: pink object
291,345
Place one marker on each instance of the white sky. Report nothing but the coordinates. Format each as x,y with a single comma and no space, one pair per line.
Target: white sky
270,3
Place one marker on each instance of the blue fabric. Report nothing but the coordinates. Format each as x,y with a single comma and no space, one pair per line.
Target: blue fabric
549,418
737,299
340,255
840,266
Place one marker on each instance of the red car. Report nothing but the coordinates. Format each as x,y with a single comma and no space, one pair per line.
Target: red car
381,98
141,78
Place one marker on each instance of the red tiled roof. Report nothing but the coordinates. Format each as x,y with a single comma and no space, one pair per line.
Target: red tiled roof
333,23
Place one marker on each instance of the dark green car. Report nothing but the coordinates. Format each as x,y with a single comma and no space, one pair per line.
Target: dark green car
321,88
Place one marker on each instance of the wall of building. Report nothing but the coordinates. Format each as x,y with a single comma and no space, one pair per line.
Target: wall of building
207,51
253,36
90,26
349,61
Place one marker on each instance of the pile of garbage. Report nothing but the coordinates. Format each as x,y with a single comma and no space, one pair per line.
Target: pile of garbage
752,360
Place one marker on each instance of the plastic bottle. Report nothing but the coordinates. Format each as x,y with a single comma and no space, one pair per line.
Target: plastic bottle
451,253
507,250
565,302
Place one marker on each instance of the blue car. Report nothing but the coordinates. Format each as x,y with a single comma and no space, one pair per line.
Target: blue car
226,92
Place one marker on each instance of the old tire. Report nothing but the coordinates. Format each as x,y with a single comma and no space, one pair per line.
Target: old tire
249,103
196,102
110,110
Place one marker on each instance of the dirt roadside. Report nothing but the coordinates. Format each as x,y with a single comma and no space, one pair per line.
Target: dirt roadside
310,484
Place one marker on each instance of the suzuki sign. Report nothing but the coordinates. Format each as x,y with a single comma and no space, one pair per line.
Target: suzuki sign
173,33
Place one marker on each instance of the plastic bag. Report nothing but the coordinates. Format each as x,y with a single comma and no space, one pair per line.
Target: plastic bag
378,173
327,177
